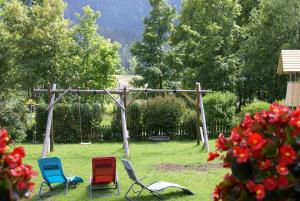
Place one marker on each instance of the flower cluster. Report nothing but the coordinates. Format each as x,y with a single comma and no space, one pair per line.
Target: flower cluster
13,172
263,153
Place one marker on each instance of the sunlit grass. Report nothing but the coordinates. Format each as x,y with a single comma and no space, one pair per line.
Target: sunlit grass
76,160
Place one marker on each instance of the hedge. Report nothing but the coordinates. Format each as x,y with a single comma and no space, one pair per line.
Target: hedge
255,106
220,106
164,113
66,121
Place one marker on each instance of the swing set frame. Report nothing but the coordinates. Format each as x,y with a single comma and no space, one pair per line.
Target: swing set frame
123,103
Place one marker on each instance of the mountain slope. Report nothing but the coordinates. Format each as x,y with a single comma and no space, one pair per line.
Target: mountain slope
121,20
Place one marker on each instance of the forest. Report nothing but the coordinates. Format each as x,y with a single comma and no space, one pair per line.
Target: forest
230,47
225,45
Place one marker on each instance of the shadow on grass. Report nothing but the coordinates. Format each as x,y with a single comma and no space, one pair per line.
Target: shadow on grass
58,189
164,196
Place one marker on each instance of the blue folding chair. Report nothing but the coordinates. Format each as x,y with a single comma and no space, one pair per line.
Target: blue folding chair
52,172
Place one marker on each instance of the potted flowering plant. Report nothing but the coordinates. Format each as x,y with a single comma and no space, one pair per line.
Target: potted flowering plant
263,153
14,175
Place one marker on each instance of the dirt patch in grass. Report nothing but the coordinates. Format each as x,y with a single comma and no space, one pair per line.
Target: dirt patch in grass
179,168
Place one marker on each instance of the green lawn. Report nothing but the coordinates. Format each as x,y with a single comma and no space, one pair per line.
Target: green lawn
76,160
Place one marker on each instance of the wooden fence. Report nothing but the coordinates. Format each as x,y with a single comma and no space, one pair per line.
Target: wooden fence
110,134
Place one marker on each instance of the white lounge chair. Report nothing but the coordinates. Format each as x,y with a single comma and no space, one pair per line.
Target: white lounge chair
155,188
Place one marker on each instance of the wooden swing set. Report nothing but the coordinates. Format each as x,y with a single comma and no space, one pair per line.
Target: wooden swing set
123,103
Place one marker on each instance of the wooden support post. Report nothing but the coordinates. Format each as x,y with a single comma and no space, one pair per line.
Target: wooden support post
46,145
198,112
189,98
51,147
124,125
203,121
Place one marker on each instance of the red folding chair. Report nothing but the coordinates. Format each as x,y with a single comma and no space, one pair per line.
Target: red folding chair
104,176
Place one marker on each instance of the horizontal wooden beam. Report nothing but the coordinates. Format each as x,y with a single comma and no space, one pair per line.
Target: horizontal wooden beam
82,91
168,90
117,91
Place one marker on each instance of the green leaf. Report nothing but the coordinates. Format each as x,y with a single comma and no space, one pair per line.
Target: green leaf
242,171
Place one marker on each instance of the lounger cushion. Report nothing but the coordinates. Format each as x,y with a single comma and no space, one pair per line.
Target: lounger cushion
162,185
75,179
103,179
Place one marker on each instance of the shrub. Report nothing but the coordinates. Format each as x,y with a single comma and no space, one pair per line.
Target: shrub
12,117
116,126
189,124
133,118
220,106
163,113
255,106
263,155
66,121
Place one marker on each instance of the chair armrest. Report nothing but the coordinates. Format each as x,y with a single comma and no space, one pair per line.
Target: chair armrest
143,178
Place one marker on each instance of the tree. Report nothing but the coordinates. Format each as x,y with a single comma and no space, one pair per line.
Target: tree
273,26
8,67
153,51
97,57
42,40
206,41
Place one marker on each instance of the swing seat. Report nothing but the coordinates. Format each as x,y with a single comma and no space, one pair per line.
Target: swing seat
159,138
85,143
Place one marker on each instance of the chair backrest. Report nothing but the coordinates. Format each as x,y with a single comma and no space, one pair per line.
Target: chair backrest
104,170
130,171
51,167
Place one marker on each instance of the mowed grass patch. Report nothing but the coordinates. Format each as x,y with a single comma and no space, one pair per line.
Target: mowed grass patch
145,157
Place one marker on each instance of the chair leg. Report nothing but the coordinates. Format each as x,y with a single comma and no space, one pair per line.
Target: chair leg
126,197
66,189
118,186
41,190
131,189
138,196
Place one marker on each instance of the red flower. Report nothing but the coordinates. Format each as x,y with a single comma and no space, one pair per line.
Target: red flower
282,170
235,136
15,157
3,141
282,182
287,154
241,153
255,141
263,165
295,121
270,183
247,121
4,134
11,165
220,143
21,185
16,172
28,172
258,189
279,109
212,156
30,186
217,194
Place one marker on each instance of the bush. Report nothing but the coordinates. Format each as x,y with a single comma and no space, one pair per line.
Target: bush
66,121
220,106
12,117
163,114
133,118
189,124
255,106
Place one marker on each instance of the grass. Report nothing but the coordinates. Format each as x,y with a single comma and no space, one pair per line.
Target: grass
76,160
